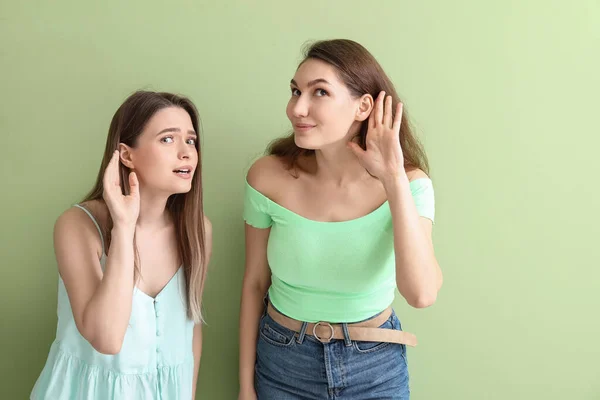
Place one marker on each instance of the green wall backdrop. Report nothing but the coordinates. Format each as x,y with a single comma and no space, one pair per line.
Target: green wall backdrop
502,93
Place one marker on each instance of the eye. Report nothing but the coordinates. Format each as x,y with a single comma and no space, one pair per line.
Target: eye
191,141
295,92
321,92
167,139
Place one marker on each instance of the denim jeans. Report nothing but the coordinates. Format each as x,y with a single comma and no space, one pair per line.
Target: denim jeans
297,366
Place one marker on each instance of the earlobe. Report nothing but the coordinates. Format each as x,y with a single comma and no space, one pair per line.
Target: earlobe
364,107
125,155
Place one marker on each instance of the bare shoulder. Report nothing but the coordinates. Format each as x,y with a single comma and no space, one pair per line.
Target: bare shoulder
74,227
267,174
74,217
416,173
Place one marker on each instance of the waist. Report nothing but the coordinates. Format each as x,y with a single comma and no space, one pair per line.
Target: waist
369,330
316,304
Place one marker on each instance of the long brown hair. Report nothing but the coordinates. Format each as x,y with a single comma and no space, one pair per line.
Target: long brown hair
362,74
186,209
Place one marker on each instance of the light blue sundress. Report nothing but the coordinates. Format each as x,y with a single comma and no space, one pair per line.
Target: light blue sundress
155,362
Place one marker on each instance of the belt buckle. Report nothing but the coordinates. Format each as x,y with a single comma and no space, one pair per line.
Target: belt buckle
322,340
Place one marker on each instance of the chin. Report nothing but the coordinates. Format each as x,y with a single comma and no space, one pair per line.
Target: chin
180,189
184,190
306,143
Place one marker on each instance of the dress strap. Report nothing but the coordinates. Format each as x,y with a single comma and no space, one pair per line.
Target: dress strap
95,223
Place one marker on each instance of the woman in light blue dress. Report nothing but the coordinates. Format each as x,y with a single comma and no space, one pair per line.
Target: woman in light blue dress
132,260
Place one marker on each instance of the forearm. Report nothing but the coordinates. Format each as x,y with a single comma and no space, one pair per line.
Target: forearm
252,307
418,275
107,314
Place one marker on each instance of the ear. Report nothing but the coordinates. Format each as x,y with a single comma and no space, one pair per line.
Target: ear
365,106
126,155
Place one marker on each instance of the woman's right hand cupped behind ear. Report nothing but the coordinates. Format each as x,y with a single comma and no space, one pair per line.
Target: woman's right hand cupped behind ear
124,209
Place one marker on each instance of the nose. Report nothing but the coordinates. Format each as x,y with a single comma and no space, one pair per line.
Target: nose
185,151
300,107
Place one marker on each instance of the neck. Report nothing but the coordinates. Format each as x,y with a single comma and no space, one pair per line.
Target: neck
336,163
153,211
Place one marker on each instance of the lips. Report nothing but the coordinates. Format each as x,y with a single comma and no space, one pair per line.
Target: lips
303,127
184,171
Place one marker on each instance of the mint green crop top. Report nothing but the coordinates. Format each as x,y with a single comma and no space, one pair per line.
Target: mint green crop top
331,271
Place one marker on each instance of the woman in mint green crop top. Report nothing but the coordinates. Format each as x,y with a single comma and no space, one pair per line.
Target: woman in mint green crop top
130,286
338,215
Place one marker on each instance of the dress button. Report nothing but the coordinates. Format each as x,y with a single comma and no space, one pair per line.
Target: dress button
158,332
158,313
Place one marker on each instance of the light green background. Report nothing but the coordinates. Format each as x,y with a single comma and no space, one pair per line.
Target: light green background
502,93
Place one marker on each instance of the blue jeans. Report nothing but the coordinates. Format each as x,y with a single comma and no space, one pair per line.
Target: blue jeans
297,366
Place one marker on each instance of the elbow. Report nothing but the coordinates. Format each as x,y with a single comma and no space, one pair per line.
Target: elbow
108,347
107,343
423,301
104,339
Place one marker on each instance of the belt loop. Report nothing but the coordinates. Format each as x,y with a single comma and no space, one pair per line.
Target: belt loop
302,333
347,340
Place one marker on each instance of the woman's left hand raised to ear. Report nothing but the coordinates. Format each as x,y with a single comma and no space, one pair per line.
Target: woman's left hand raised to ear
383,157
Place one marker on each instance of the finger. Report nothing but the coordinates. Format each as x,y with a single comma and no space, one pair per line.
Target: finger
115,170
374,120
356,149
372,115
387,115
110,174
134,185
379,109
398,118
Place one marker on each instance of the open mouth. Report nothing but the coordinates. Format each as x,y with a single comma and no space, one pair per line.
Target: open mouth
183,172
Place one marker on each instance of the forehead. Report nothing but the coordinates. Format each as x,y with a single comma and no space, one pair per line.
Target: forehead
170,117
316,69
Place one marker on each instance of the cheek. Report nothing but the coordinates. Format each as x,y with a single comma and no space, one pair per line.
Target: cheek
288,110
194,157
346,114
148,159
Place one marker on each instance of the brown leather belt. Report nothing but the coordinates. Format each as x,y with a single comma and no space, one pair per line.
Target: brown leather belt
366,331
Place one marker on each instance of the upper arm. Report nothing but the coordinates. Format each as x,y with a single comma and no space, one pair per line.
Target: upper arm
197,350
427,227
426,205
423,196
424,202
77,247
261,176
257,270
197,341
208,240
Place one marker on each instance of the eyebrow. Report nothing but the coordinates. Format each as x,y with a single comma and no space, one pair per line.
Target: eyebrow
175,130
311,83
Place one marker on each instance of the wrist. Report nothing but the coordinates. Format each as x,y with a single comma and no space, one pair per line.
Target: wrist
123,229
396,180
246,383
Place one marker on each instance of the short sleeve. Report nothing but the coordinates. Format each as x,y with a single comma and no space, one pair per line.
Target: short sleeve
256,208
422,192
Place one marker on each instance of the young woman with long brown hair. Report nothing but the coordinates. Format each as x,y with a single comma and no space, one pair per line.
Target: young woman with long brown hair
132,259
338,215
